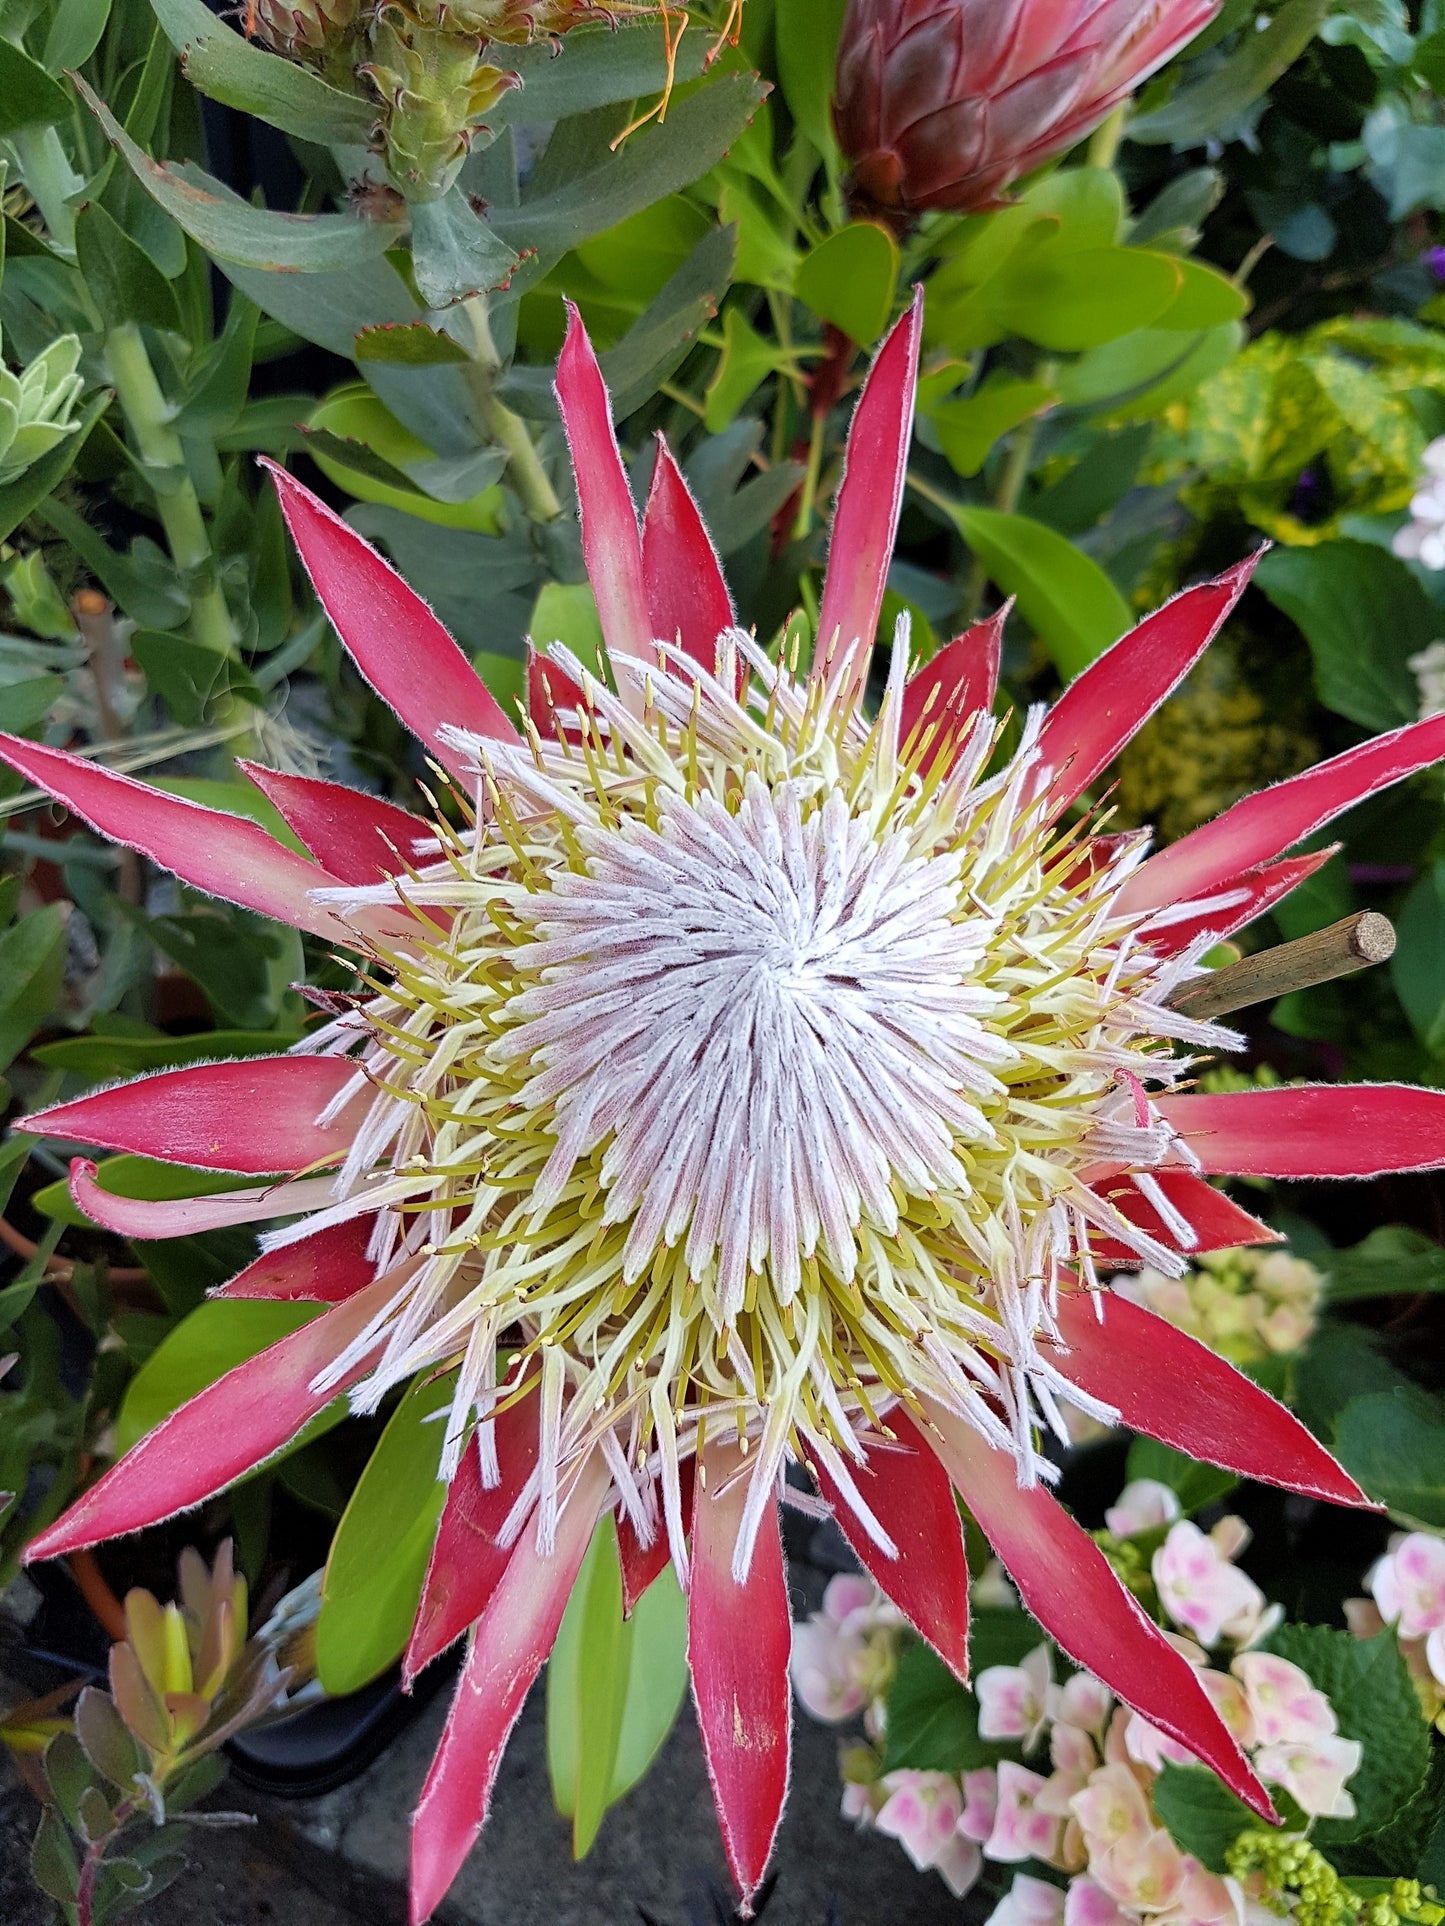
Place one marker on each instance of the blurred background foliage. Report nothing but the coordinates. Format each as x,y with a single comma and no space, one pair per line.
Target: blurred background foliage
343,235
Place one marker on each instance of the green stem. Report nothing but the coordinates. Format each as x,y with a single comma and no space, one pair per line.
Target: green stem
810,478
50,180
1006,499
508,431
1104,143
148,417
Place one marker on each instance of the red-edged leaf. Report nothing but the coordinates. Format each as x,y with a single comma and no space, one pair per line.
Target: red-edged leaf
687,596
642,1564
1313,1130
466,1562
1171,1387
1265,824
869,500
359,838
1116,695
611,544
739,1638
392,636
329,1266
253,1116
1237,902
227,856
908,1492
150,1218
516,1632
1067,1583
1219,1223
231,1427
948,691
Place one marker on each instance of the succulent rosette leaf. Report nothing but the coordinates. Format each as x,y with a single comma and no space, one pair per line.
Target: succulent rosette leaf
756,1078
945,103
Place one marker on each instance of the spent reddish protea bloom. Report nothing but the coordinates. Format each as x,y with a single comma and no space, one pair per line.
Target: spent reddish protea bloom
945,103
754,1081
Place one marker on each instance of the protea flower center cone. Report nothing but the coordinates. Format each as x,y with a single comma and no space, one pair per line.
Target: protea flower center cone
757,1078
945,103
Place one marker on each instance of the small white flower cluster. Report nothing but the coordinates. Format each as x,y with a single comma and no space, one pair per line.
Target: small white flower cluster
1245,1304
1422,539
1092,1815
1408,1593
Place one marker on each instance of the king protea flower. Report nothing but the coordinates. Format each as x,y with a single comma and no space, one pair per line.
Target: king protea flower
755,1082
945,103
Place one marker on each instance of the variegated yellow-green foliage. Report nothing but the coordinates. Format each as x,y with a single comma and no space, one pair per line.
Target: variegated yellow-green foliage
1327,414
1221,736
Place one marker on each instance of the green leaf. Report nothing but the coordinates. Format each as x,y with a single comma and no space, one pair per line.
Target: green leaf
22,496
932,1719
1393,1442
31,701
808,32
968,429
567,612
849,278
121,278
216,1337
1194,1485
649,1664
53,1863
106,1738
1207,299
1364,615
658,161
408,344
747,359
1065,597
232,229
102,1059
233,70
1138,375
190,677
597,68
32,967
1071,301
379,1555
75,30
1211,105
329,309
28,96
1369,1686
1201,1814
67,1773
1418,965
454,251
1392,1261
664,332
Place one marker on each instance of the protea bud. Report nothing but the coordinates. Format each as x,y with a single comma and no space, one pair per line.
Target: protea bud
323,34
435,89
944,103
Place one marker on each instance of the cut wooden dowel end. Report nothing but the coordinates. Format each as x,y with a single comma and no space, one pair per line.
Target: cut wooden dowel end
1354,943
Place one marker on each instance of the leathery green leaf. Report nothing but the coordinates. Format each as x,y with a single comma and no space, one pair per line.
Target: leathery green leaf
379,1554
614,1687
1065,597
216,1337
849,278
231,69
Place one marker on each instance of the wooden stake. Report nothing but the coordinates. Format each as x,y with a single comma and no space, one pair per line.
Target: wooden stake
1352,944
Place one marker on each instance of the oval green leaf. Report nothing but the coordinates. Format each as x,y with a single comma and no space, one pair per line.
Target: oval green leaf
849,279
1066,598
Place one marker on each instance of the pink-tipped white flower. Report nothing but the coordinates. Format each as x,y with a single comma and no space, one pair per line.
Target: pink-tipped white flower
1022,1828
1408,1584
1143,1505
1200,1588
1314,1773
754,1078
1013,1700
1029,1902
1284,1707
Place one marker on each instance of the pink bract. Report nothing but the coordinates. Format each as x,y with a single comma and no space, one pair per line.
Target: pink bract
525,1496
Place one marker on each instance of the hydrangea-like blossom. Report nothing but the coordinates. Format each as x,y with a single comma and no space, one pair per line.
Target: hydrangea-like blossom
756,1077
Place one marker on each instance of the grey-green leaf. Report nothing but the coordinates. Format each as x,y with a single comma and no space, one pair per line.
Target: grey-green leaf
228,67
1211,105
